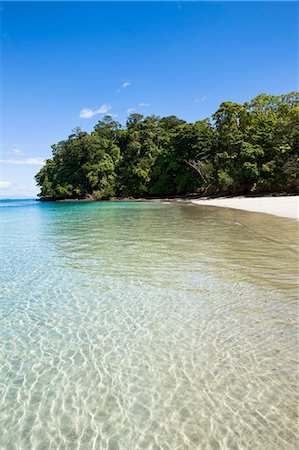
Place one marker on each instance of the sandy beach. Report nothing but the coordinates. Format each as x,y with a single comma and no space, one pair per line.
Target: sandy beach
285,206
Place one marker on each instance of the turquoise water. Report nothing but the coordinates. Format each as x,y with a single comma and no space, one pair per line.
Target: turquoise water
147,326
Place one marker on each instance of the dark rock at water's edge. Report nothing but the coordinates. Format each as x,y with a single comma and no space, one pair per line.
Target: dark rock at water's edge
186,197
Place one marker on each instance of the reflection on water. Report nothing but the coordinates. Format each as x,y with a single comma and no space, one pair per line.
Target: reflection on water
147,325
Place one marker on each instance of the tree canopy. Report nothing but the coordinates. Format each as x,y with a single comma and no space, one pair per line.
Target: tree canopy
241,149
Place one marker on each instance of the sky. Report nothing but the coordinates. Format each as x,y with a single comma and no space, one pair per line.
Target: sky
67,64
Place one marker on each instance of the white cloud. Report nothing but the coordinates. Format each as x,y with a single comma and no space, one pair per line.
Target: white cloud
124,85
87,113
17,151
130,110
144,104
17,190
5,184
34,161
202,99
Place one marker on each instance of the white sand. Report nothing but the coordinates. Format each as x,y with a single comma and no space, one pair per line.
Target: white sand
287,206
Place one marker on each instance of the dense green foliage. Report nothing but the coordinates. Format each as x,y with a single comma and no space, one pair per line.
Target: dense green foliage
242,149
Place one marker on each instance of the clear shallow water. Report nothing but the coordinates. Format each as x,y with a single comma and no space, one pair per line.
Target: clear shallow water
147,326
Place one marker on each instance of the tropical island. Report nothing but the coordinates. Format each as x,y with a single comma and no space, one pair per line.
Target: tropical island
242,149
149,297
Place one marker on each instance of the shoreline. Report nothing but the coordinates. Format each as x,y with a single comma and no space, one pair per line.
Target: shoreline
286,206
280,206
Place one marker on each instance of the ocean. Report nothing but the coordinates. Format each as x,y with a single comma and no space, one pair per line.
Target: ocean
147,325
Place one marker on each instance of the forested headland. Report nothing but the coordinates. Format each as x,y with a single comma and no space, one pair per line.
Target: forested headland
241,149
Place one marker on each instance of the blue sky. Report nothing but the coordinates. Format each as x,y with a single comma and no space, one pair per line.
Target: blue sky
66,64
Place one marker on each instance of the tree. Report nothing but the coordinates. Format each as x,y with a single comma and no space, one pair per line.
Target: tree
244,148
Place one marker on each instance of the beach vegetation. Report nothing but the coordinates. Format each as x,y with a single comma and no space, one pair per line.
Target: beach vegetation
242,148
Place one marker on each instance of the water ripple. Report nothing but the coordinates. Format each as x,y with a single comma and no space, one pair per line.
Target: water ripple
147,326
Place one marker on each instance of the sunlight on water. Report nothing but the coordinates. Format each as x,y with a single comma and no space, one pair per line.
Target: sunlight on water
147,326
